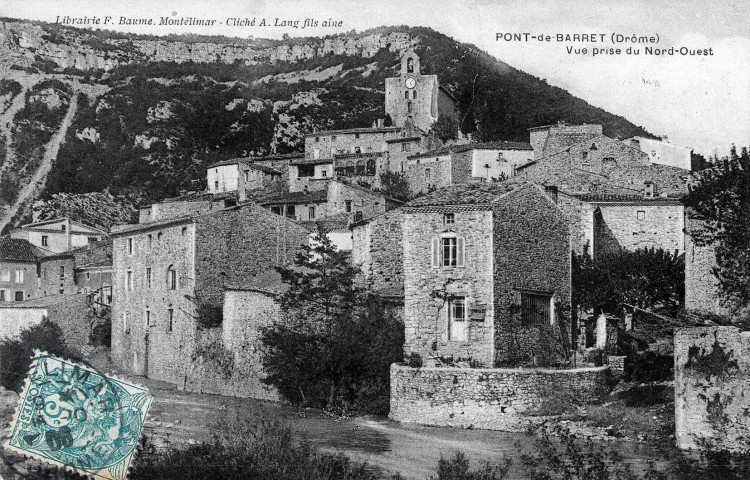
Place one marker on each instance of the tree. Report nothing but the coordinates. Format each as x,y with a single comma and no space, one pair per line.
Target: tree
720,199
335,343
395,185
445,128
645,278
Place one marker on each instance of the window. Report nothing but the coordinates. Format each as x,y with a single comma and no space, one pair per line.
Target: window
356,135
148,277
449,218
170,318
184,231
88,275
427,174
403,147
316,153
324,173
349,169
360,167
640,215
457,324
290,211
649,191
247,175
5,275
317,139
448,252
45,240
92,239
62,272
585,155
276,210
130,246
19,276
2,296
371,167
44,274
306,170
125,327
147,317
19,296
413,94
409,65
63,227
216,185
311,212
333,138
406,94
408,107
129,281
536,308
171,278
357,150
150,242
348,206
586,167
159,235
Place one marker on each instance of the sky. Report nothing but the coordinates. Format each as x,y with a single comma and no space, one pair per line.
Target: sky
702,102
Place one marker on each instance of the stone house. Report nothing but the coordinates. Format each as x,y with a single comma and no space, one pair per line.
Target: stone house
169,273
549,139
18,269
486,270
377,249
416,97
310,174
352,202
69,312
465,163
326,144
58,235
663,152
250,173
81,270
192,203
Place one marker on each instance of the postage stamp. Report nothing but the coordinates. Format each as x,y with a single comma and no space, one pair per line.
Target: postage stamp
74,417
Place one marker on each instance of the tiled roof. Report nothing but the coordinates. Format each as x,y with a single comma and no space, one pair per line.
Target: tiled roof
18,250
316,196
353,130
498,145
625,199
248,160
229,161
264,169
335,223
340,156
311,161
199,196
55,220
402,139
468,194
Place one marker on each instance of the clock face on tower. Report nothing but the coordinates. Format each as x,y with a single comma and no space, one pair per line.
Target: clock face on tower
410,83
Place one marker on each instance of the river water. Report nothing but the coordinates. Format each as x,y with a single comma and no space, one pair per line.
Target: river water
412,450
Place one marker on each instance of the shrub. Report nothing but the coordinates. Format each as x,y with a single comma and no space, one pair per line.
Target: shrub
414,360
457,468
266,450
16,354
648,366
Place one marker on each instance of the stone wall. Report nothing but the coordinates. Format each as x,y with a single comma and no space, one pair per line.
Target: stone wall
56,275
632,227
439,173
69,312
378,250
423,97
364,140
712,392
428,288
492,399
10,287
531,254
553,138
228,360
701,285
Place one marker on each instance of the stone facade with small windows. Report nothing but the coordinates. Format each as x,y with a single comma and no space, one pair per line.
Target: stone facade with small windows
472,251
168,273
57,275
377,249
18,280
415,97
329,143
549,139
632,225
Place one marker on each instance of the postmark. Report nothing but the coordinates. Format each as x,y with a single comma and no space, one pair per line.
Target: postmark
75,417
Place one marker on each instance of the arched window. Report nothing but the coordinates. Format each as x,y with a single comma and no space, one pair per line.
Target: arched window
371,167
349,170
360,167
410,65
171,278
408,107
406,94
414,94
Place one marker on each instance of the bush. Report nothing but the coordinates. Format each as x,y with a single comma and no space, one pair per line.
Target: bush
457,468
648,366
242,450
414,360
16,354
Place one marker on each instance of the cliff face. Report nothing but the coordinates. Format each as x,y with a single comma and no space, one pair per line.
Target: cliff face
23,43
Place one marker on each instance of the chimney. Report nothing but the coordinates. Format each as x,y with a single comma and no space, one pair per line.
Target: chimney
551,191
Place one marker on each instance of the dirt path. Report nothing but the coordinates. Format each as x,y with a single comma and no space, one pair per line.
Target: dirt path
6,122
50,154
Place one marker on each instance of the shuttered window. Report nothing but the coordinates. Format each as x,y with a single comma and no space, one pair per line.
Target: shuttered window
448,252
536,308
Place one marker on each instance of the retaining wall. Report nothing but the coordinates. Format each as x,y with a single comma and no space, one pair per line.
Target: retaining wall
486,398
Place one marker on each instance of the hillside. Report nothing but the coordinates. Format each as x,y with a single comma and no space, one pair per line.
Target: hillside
152,112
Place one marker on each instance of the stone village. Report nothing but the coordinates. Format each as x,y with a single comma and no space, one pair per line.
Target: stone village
489,227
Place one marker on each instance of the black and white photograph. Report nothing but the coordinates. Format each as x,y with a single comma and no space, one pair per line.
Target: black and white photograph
397,240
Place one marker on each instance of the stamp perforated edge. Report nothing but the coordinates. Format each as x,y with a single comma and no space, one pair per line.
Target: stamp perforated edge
27,383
